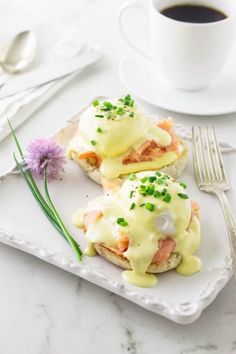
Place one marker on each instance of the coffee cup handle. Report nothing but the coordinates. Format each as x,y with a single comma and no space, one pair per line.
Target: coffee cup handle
140,5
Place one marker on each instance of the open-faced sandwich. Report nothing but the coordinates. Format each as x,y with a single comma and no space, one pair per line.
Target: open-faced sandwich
147,226
115,138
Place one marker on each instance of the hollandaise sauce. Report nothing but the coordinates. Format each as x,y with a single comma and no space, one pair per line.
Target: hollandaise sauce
149,207
112,130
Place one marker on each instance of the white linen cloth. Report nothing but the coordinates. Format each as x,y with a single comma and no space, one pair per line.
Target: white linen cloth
62,53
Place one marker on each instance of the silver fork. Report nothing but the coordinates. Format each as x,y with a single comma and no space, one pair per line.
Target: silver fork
211,177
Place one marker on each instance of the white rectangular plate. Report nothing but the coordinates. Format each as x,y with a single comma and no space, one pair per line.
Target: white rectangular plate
181,299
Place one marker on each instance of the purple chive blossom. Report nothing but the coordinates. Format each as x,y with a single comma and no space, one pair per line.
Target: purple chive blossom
44,153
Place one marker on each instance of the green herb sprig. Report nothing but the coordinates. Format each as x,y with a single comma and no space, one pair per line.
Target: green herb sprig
45,203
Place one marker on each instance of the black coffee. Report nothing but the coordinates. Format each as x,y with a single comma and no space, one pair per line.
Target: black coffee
193,13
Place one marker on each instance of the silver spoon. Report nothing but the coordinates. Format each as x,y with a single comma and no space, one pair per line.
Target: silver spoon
18,54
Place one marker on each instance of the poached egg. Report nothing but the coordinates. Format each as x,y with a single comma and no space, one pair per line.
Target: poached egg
149,207
112,130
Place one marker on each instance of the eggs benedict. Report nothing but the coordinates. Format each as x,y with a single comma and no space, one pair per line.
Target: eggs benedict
115,138
147,226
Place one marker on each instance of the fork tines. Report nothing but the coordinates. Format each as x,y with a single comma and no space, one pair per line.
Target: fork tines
207,158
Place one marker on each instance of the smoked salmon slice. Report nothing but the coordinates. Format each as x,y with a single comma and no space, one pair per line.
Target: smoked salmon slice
166,247
151,149
166,124
93,158
90,217
123,242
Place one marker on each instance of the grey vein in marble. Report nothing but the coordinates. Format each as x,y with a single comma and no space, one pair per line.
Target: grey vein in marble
45,348
233,347
131,346
79,286
203,349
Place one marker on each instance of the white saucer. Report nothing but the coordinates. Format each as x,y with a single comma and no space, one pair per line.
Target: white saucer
142,79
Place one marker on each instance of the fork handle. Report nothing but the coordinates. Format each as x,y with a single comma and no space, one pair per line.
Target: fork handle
231,226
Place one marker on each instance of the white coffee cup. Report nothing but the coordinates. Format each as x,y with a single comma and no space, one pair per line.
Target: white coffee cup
189,55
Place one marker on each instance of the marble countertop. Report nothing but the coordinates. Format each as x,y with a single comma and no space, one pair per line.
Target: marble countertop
47,311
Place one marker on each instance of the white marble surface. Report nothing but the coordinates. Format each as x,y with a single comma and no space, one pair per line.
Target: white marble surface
47,311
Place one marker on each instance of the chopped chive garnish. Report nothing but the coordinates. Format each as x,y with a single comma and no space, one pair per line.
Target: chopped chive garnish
143,190
160,181
131,114
163,192
99,130
158,174
132,206
108,105
152,179
127,101
141,205
182,195
132,177
93,142
167,198
183,185
121,222
95,103
149,206
144,179
131,103
120,111
131,194
150,190
99,115
157,194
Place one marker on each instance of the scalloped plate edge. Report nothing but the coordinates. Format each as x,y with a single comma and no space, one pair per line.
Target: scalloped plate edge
183,314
